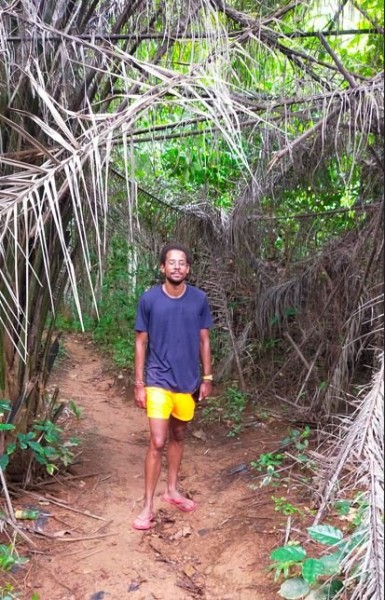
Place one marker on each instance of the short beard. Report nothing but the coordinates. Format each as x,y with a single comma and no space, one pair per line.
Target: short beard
175,282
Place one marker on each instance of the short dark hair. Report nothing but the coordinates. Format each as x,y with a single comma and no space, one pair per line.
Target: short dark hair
168,247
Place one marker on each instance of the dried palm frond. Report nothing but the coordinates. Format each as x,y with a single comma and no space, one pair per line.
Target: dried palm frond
358,466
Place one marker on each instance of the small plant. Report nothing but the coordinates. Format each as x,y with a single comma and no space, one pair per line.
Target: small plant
268,463
298,437
286,559
8,557
285,507
308,577
227,409
212,410
45,441
76,410
8,592
352,510
235,404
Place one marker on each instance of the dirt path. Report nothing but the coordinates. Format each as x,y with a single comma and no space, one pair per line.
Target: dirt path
218,553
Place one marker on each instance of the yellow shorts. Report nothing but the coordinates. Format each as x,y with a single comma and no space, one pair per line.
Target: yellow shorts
163,403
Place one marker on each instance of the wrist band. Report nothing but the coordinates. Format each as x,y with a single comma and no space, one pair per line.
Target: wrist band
207,377
139,383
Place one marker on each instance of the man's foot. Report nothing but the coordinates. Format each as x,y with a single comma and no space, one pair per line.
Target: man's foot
184,504
143,522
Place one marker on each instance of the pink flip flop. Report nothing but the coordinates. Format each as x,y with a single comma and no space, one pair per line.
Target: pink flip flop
184,504
143,523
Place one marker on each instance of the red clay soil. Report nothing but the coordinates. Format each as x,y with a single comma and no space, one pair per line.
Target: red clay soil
87,549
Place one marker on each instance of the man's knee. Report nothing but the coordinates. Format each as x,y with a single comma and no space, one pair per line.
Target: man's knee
177,431
157,443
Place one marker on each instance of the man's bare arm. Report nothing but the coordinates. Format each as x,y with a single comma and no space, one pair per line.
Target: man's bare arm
141,340
205,355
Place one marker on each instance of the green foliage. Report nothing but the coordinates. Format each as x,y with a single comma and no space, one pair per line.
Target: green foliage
227,409
298,437
285,507
234,407
115,329
268,463
312,213
325,534
76,410
126,278
68,320
198,167
285,558
310,577
4,405
8,592
9,558
272,463
352,510
45,442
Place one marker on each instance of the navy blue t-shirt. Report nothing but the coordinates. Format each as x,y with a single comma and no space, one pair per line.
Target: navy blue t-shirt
173,326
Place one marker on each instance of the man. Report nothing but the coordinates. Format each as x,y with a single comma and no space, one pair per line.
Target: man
171,343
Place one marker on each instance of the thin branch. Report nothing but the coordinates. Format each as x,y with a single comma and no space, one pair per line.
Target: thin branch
166,35
339,64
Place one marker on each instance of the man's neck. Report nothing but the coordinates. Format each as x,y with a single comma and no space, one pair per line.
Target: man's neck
174,290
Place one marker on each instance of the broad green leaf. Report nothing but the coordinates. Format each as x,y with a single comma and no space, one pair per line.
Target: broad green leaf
288,554
6,427
10,449
36,447
295,588
325,534
4,460
312,568
50,468
4,405
343,507
331,563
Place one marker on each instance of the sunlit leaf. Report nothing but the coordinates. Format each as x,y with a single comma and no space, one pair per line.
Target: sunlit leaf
288,554
325,534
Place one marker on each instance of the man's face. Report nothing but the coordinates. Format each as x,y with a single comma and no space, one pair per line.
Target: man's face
175,268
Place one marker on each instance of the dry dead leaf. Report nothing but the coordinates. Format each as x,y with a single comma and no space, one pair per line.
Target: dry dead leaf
200,434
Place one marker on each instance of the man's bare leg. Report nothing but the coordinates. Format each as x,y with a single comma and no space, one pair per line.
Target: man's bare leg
153,463
177,432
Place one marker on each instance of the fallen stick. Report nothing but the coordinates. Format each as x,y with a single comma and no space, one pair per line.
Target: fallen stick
288,529
63,505
82,538
296,348
72,552
103,526
90,554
